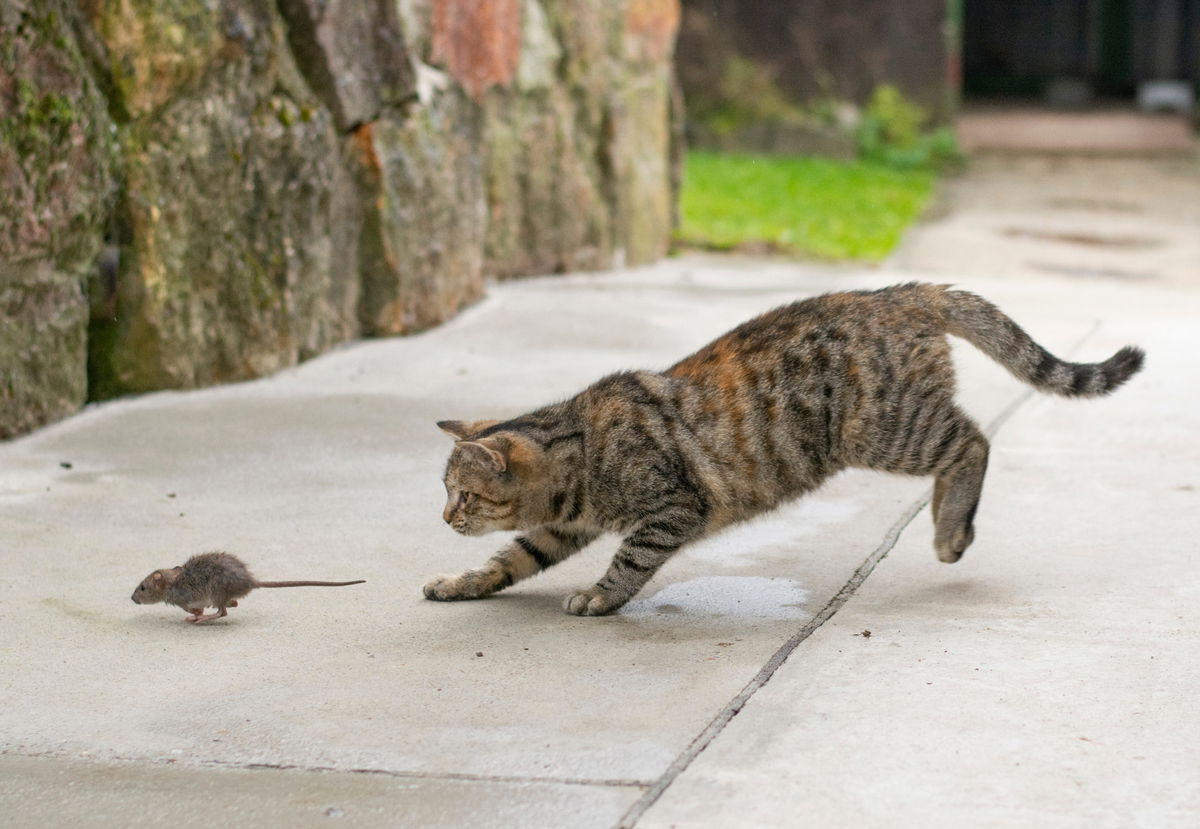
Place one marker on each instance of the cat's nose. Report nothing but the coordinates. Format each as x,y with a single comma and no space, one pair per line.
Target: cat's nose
447,514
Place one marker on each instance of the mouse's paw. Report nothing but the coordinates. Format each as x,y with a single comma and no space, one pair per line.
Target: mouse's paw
208,617
595,601
473,584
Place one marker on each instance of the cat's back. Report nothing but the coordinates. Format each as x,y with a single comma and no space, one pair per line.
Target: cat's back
830,322
772,407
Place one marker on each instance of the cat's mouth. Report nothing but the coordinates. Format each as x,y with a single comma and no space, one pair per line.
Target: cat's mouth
473,529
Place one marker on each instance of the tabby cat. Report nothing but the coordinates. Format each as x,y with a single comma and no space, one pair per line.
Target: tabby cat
758,417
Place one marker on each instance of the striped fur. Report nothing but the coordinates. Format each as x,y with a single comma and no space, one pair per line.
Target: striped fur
760,416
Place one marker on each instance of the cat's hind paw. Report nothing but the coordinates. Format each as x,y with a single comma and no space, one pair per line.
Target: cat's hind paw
592,602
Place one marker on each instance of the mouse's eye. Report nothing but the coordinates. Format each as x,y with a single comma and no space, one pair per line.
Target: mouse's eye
141,587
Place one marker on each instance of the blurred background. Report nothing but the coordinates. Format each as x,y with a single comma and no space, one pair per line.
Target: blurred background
203,191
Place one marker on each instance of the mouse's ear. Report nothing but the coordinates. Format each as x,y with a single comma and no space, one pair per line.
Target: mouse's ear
156,577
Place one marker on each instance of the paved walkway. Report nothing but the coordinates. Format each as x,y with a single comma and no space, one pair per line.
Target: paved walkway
1099,132
1049,678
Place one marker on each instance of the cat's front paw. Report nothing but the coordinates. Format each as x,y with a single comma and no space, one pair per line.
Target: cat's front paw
453,588
592,602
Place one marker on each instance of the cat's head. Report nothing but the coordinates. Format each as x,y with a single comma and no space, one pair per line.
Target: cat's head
495,482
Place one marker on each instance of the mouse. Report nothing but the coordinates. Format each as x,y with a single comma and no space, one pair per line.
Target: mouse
210,580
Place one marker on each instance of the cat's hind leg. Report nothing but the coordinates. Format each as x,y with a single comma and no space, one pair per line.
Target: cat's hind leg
956,492
524,556
941,439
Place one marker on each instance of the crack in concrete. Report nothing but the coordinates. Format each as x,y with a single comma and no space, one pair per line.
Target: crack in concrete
401,774
439,775
735,705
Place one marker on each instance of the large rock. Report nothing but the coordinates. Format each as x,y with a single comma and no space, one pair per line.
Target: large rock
228,267
480,43
57,180
579,145
353,54
549,202
641,135
421,250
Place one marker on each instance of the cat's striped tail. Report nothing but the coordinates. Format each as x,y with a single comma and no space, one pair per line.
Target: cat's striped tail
987,328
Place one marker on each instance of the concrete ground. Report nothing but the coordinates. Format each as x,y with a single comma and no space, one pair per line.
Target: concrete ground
1047,679
1098,131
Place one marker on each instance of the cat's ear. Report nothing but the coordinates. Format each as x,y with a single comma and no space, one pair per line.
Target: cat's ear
463,429
489,450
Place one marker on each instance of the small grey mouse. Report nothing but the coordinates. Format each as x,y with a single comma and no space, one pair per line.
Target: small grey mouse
210,580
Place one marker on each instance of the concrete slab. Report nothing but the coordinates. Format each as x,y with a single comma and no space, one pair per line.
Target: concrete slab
38,792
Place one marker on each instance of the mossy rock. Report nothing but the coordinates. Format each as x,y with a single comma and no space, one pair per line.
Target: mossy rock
58,172
227,268
421,252
550,210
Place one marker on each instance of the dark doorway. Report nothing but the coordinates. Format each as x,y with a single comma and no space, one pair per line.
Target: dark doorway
1106,47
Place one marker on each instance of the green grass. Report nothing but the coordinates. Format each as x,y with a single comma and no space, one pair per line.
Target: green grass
810,207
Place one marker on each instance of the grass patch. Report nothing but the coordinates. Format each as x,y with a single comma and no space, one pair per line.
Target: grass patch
810,207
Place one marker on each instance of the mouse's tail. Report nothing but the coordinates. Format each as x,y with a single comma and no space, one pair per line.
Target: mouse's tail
307,583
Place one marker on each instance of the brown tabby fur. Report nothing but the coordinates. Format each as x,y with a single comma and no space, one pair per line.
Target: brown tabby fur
760,416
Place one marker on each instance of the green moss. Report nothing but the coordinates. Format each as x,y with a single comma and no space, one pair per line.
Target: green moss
155,46
42,121
285,114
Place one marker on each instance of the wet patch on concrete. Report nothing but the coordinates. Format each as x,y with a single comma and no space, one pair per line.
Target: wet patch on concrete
754,597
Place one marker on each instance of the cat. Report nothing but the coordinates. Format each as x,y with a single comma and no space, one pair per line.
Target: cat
758,417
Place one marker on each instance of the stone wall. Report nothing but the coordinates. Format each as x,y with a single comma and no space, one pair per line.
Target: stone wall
202,191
